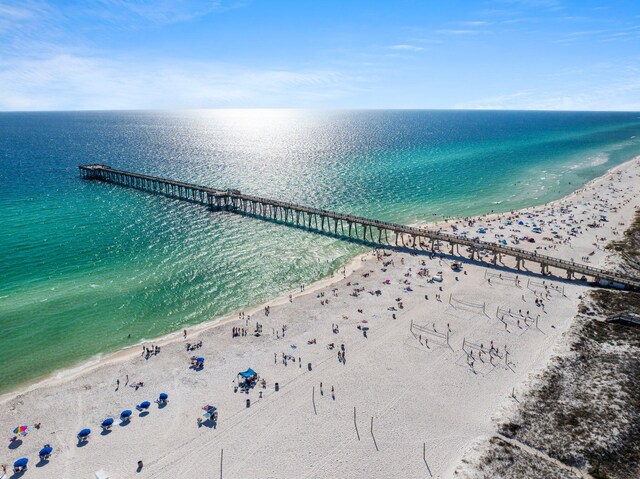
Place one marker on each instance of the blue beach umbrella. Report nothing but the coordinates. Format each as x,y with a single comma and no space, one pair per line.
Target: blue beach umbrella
163,396
45,451
107,422
84,433
143,405
22,462
200,360
126,413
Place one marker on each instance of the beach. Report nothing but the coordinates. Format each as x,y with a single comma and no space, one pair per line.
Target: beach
431,357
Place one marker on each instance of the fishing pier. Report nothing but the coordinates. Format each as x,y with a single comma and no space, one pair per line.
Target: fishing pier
356,227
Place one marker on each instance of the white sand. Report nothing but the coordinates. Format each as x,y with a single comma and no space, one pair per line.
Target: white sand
416,394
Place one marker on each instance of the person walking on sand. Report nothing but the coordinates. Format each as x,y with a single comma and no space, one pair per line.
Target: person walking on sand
184,334
140,465
117,384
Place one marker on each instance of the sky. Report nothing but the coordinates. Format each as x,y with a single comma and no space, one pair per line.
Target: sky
323,54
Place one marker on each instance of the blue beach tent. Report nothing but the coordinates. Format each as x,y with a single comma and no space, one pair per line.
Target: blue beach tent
107,422
248,373
45,452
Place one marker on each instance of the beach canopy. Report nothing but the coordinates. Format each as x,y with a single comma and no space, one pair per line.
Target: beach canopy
144,405
248,373
126,413
163,396
107,422
45,451
84,432
22,430
22,462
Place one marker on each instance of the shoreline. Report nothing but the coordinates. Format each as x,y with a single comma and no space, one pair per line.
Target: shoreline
127,352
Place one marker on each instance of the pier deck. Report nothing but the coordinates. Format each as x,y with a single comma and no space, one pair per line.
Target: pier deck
365,229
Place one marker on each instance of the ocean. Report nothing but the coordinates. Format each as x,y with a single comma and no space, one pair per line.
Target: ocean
88,268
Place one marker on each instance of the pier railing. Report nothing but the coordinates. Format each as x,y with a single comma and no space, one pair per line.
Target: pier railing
234,200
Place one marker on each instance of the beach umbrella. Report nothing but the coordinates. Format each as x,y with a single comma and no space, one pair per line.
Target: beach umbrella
200,360
22,462
84,433
107,422
126,413
45,451
163,396
143,405
22,430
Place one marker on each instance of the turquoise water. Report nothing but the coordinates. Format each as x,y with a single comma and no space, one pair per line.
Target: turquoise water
84,265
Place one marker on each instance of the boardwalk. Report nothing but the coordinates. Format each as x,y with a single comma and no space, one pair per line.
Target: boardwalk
364,229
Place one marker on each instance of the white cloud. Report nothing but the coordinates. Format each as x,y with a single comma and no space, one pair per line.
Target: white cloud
161,11
71,82
620,95
474,23
447,31
406,48
553,5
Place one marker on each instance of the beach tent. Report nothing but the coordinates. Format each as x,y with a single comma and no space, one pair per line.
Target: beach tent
107,423
45,452
247,374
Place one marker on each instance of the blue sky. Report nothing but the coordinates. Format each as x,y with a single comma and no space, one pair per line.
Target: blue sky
491,54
